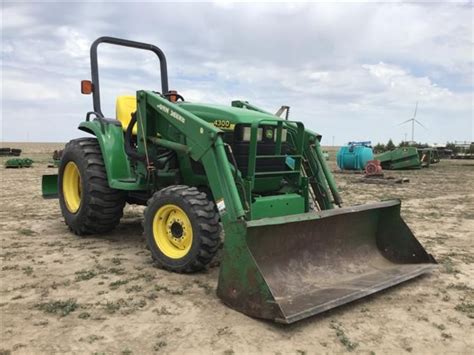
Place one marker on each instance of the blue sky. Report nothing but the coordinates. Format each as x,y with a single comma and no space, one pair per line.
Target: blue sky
349,70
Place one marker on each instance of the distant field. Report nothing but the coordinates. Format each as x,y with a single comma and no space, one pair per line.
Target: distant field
39,152
62,293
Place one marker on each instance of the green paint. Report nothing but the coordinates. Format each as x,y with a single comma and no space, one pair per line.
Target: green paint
49,186
428,156
19,163
250,204
275,248
399,159
119,171
276,206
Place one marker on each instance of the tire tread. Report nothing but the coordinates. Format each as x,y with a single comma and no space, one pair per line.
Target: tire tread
207,221
105,207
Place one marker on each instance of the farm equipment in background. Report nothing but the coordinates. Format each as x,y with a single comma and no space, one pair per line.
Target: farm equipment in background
463,150
462,155
56,159
374,175
195,165
399,159
428,156
4,152
373,168
354,156
17,163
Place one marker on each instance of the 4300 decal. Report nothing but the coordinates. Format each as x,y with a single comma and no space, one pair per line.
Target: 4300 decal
224,124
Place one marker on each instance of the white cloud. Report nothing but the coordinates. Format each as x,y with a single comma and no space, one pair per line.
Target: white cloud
76,45
16,17
350,70
401,85
28,91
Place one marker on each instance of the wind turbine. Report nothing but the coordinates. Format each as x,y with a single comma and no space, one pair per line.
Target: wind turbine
413,120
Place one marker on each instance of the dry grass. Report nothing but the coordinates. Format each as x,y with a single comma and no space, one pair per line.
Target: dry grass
62,293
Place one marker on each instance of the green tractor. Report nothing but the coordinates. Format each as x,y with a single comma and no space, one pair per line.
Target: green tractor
290,249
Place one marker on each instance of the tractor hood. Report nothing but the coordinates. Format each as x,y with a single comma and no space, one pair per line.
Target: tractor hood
228,116
235,115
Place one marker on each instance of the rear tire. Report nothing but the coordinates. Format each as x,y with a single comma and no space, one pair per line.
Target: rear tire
88,204
181,229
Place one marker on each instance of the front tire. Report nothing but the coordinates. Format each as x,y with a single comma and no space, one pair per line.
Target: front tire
181,229
88,204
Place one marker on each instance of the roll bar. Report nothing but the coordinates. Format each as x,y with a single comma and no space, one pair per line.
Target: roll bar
124,43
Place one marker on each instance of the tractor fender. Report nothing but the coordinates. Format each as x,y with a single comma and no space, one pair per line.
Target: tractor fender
117,165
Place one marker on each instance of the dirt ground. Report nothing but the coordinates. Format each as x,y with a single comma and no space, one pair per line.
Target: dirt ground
101,294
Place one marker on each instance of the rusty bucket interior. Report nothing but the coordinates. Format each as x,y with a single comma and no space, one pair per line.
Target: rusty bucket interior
316,262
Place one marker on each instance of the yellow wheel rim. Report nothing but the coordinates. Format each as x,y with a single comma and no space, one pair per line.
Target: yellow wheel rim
72,187
172,231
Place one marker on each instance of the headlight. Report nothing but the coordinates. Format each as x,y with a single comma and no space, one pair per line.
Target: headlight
247,133
284,134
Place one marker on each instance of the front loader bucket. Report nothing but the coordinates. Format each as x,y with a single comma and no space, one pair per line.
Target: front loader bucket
289,268
49,186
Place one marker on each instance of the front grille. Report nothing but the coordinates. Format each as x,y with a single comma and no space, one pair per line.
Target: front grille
240,150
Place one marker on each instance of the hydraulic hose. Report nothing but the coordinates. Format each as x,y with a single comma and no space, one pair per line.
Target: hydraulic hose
129,150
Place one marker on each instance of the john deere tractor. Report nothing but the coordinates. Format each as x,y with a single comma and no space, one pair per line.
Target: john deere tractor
290,250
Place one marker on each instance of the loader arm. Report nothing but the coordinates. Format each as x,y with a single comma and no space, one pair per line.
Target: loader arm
158,117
